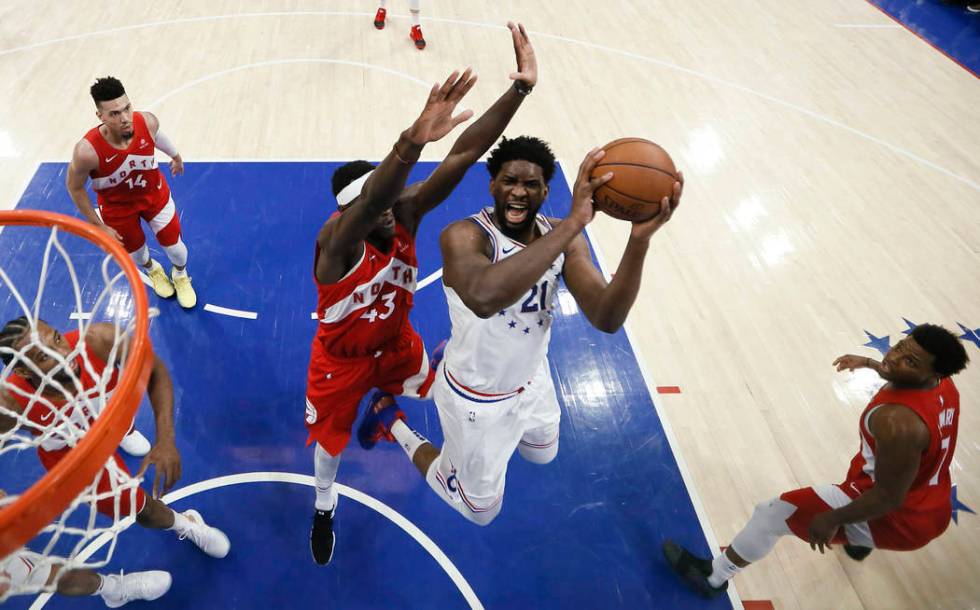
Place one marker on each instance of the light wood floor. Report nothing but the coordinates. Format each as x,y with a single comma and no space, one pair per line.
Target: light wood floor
833,186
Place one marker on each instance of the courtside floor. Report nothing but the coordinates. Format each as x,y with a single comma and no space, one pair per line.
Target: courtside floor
582,532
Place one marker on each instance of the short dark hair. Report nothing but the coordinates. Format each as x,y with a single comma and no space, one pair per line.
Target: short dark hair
107,89
949,355
11,334
523,148
347,173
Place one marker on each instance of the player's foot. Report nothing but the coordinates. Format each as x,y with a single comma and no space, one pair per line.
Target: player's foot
322,537
693,570
161,283
185,292
377,421
135,444
416,36
437,355
379,18
209,539
123,588
857,553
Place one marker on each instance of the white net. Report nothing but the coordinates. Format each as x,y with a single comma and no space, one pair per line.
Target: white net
63,350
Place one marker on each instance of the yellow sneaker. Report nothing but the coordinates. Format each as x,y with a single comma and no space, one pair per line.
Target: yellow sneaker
161,283
185,292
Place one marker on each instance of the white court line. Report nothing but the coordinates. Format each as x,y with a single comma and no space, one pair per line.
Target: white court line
235,313
428,280
277,62
870,26
301,479
665,64
692,491
80,316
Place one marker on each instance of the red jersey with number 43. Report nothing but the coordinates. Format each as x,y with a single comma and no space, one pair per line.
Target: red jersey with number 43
367,308
129,176
939,409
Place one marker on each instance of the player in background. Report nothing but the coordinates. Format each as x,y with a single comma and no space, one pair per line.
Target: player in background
415,8
53,373
119,157
897,494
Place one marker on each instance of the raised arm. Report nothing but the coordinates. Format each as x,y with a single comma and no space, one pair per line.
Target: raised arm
162,142
486,287
164,455
342,235
84,160
478,137
607,305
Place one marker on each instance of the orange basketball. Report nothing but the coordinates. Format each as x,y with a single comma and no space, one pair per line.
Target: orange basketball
643,174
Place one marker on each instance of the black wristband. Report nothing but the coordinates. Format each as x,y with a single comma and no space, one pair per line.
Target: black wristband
522,88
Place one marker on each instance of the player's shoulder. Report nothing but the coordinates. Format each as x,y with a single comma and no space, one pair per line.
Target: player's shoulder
85,152
152,122
899,423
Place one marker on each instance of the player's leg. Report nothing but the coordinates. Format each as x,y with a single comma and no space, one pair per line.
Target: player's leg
334,389
165,224
415,8
791,513
29,572
152,513
379,17
539,444
125,220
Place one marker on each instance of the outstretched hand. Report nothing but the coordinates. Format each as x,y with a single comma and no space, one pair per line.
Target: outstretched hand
166,458
437,118
646,229
527,64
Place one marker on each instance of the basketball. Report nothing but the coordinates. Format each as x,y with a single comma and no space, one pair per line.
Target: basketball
643,174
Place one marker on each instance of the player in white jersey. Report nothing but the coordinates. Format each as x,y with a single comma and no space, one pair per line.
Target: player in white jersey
493,387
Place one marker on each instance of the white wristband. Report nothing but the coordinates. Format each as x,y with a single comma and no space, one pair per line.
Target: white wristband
163,143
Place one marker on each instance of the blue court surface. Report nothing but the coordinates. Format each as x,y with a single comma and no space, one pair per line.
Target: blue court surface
582,532
947,26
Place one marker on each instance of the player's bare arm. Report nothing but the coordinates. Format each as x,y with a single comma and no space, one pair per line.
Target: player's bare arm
164,455
164,143
900,438
850,362
341,238
477,139
8,403
486,287
84,160
607,305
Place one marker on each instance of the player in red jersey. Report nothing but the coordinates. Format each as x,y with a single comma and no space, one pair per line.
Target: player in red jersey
415,8
55,366
119,157
365,271
897,494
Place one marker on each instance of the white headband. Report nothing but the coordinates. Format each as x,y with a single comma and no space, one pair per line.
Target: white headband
352,191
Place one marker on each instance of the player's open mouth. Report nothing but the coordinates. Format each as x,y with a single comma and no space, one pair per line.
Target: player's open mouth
515,212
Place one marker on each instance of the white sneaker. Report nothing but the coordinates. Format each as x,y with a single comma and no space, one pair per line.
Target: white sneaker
209,539
135,444
135,586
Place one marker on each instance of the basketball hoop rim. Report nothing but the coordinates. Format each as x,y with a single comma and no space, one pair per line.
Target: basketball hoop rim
50,495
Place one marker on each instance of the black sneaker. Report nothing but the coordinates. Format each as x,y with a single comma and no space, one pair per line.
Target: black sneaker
693,570
857,553
322,536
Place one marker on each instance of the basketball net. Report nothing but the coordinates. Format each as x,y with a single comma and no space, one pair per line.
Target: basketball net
61,409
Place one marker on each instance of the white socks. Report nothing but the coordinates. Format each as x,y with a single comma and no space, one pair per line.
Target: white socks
141,257
177,253
408,439
325,472
110,585
181,523
722,569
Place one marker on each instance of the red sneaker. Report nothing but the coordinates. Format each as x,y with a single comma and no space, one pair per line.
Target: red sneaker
416,36
379,18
